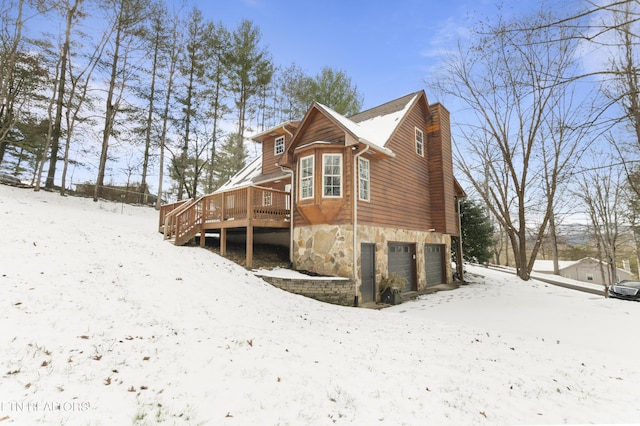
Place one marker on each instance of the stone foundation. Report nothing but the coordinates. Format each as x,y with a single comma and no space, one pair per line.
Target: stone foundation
338,291
328,249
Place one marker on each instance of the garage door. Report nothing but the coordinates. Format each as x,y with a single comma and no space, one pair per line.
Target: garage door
402,263
433,263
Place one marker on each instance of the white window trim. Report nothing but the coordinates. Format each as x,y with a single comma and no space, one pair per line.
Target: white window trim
323,174
367,180
279,141
421,144
311,178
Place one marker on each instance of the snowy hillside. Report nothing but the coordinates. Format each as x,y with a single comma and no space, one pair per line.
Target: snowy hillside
102,322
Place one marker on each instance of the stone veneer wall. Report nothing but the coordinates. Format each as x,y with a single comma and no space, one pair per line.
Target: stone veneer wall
338,291
328,249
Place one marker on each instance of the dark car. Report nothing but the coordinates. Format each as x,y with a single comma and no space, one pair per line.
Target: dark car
627,290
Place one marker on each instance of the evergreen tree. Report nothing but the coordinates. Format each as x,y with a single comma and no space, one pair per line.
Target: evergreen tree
193,94
229,160
249,68
477,232
333,89
292,98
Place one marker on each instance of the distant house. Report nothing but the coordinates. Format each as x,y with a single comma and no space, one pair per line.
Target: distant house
363,197
132,194
586,270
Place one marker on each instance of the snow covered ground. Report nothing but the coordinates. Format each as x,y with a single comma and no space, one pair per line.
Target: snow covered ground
102,322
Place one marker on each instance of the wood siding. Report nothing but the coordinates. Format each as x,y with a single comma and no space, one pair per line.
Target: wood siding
400,186
318,127
443,207
409,191
319,209
269,160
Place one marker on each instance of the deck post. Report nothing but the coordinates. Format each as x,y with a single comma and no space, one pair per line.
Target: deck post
203,215
223,241
249,261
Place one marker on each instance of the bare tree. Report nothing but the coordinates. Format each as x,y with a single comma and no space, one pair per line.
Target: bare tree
524,132
171,58
79,99
127,16
71,10
601,190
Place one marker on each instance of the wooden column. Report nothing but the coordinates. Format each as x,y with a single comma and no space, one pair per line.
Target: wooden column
223,241
249,261
203,213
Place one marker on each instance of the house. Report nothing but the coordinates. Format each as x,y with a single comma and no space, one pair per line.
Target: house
364,197
588,270
130,194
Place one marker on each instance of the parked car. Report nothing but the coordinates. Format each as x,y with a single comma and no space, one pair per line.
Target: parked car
626,289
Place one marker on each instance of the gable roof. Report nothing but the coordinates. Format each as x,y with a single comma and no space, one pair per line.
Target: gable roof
386,108
547,265
278,130
244,177
373,127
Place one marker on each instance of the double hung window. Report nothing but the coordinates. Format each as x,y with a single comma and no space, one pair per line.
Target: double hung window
363,178
332,175
419,142
306,177
278,147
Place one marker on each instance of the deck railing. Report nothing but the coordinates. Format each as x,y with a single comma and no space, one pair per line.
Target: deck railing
236,207
165,209
173,218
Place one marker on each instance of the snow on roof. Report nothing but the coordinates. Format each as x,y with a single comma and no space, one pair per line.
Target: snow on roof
547,265
376,127
376,130
244,177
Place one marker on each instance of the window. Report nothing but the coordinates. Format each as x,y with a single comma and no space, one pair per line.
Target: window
419,142
266,199
278,147
306,177
331,175
589,277
363,176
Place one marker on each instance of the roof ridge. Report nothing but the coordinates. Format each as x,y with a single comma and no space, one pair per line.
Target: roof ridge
385,108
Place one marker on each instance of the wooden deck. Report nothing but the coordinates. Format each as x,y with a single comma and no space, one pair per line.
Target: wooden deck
247,207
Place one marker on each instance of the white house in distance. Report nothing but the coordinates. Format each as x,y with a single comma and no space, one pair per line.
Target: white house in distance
587,269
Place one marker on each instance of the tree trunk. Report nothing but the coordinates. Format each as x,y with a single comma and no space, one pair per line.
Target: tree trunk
147,142
57,125
554,243
110,110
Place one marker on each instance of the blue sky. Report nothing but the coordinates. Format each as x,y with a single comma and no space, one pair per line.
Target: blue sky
387,48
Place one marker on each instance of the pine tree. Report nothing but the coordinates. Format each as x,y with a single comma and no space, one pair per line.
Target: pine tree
477,232
333,89
249,68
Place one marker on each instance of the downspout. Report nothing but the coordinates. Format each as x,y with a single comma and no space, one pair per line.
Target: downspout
356,190
459,261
